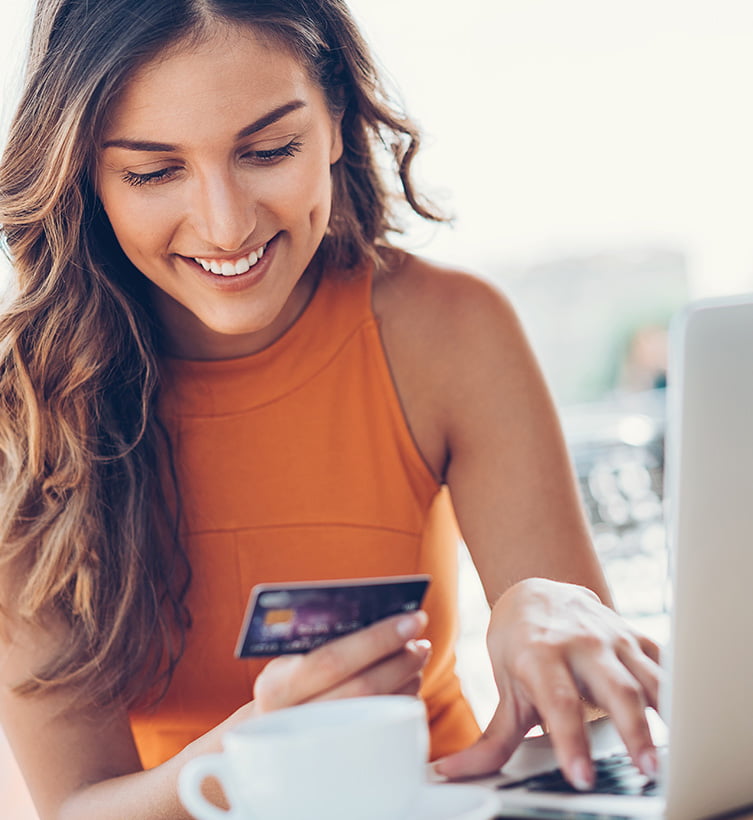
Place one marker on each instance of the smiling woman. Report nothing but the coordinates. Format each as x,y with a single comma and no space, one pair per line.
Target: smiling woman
217,371
211,176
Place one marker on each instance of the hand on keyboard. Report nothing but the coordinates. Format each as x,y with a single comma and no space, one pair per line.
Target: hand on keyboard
552,645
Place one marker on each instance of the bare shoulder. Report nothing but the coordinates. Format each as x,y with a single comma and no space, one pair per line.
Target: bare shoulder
450,323
439,299
448,335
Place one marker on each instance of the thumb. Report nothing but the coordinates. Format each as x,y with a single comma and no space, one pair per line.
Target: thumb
490,752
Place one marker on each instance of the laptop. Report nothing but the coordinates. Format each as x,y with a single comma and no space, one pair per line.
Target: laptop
706,745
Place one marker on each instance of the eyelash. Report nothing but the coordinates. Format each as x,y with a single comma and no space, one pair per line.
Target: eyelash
261,157
289,150
154,177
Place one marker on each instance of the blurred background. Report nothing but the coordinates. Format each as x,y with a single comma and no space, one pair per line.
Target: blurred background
596,157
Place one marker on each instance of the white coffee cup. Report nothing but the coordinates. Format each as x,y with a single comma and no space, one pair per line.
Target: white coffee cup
352,759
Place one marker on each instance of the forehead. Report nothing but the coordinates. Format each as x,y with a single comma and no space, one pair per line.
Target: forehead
233,72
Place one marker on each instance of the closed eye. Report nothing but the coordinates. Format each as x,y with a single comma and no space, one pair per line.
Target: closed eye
273,154
262,157
150,178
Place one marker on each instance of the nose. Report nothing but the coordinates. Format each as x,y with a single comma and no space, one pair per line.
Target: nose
224,211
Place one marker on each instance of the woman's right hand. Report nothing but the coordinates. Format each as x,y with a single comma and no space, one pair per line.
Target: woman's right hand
385,658
100,774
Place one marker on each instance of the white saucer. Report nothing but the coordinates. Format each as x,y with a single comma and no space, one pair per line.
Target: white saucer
456,801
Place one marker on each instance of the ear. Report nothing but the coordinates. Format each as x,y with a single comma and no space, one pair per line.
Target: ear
336,150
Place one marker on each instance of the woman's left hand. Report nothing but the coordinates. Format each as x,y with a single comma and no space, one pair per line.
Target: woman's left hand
552,645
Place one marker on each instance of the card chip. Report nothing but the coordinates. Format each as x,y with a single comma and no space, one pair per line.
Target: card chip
278,616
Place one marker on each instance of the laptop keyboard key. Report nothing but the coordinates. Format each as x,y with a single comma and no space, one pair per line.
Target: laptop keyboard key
614,775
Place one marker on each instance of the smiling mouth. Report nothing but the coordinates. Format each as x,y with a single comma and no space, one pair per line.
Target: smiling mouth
226,267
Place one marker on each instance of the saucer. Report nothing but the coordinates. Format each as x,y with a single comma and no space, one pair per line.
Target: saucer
456,801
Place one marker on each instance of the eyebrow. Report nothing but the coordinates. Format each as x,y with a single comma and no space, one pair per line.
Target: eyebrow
258,125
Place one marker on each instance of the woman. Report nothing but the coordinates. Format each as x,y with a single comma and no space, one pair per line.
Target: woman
216,371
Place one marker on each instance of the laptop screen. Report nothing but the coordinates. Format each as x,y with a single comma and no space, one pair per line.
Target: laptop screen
709,491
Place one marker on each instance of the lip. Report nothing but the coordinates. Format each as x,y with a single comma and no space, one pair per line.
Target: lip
238,281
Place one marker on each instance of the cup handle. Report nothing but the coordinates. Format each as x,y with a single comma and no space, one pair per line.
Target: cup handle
190,780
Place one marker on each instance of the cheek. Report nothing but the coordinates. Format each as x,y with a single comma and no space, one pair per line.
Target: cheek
138,225
301,193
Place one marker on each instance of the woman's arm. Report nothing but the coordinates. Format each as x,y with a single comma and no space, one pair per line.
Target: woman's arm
82,763
485,423
483,418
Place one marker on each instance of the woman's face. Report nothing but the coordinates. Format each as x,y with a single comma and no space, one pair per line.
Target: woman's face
214,172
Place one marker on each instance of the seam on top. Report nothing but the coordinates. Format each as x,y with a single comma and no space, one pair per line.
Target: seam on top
302,525
327,363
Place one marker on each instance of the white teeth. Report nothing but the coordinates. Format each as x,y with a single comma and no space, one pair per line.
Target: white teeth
225,268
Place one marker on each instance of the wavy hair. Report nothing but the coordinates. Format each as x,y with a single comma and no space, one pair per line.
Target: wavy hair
89,496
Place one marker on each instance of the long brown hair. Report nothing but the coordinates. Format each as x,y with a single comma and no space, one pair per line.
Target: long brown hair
90,506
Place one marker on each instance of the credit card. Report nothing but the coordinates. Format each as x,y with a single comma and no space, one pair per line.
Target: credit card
285,618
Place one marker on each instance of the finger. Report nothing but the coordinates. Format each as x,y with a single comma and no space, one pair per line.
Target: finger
402,676
412,687
650,648
490,752
403,669
559,703
290,680
645,670
614,687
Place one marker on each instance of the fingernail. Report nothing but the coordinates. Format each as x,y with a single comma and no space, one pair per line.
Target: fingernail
436,768
411,625
581,774
649,763
422,649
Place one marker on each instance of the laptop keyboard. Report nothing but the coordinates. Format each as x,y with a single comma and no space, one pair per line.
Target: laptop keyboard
615,774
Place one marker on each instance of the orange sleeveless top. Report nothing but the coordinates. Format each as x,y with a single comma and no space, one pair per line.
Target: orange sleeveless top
296,463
